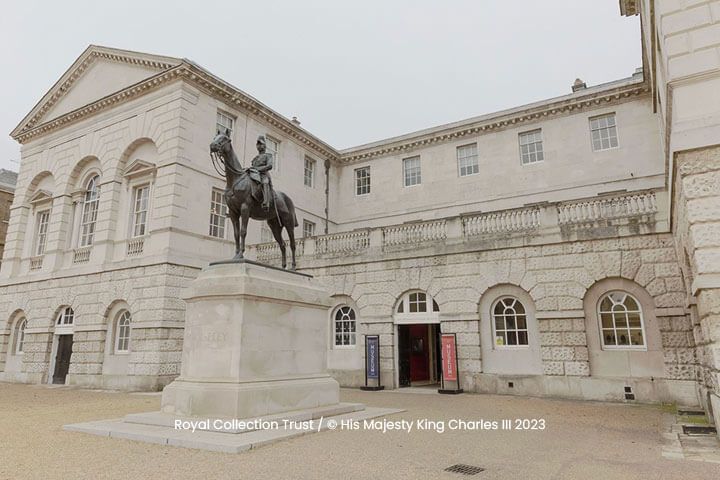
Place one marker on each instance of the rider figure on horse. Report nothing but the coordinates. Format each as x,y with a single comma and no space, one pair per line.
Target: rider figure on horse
259,171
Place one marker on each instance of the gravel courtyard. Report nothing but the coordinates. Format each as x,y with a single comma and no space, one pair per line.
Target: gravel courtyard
581,440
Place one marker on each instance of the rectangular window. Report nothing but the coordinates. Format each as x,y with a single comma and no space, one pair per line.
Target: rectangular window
531,148
362,181
308,228
218,213
140,210
273,146
467,158
603,131
411,171
309,172
224,121
41,232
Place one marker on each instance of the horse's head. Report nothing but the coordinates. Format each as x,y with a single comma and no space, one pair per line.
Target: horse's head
221,142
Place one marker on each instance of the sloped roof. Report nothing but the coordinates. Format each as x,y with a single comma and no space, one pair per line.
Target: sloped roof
8,179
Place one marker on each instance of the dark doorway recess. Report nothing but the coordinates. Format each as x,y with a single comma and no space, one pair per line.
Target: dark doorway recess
419,360
62,358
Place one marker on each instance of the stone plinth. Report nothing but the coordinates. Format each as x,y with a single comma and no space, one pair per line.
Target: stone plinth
255,344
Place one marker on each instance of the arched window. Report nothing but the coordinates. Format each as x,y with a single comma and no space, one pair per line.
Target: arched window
66,317
510,323
345,327
122,332
20,336
89,212
621,322
417,302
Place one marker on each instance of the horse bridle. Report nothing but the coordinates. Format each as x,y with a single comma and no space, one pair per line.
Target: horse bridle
217,160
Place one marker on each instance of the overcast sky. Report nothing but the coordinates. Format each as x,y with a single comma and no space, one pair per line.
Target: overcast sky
352,72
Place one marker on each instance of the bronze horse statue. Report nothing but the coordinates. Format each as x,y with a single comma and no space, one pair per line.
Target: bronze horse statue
241,196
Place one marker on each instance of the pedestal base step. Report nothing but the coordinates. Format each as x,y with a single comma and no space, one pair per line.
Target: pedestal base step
240,435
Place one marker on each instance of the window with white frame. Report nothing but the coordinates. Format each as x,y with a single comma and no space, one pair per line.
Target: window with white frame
66,317
273,146
122,332
41,230
362,180
621,322
265,234
309,177
344,320
417,302
604,132
411,171
141,197
531,147
89,212
20,336
308,228
224,121
218,212
510,323
467,158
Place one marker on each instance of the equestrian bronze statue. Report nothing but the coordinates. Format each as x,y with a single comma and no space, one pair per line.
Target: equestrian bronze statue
249,194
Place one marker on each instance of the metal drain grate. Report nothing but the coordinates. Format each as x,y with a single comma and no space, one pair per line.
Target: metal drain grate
698,430
689,412
464,469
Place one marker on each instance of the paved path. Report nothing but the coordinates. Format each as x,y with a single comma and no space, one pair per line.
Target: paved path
582,440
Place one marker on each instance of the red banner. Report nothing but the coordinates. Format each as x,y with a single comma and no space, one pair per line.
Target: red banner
449,358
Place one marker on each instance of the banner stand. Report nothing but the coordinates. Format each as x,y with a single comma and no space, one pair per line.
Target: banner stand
450,373
372,364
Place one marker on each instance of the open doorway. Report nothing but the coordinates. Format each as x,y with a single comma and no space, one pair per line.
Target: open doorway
62,358
419,355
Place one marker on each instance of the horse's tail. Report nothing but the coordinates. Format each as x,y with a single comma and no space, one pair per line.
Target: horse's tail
291,207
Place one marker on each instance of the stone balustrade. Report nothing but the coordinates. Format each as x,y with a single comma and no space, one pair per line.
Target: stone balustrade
518,220
591,211
36,263
343,242
82,254
600,217
135,246
411,233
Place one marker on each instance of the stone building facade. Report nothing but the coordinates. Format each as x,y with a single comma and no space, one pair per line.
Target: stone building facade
569,243
8,180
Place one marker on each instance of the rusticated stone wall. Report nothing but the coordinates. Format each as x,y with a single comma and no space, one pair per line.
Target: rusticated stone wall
152,295
556,277
696,226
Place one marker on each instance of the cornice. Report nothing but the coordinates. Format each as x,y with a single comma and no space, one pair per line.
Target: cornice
500,122
202,80
104,103
221,90
67,81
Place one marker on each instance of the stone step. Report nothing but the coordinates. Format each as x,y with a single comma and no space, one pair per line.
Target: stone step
162,419
216,441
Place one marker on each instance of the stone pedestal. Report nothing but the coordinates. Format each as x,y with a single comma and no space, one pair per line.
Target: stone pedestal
255,344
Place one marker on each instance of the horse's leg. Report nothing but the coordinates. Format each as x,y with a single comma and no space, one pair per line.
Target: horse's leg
276,229
291,236
235,219
245,215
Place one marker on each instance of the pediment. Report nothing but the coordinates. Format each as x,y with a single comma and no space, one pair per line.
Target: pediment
139,168
97,73
40,196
